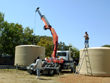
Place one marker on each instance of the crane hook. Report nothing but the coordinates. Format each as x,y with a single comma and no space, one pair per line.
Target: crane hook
37,9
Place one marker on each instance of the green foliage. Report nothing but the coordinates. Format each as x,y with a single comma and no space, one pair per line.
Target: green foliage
1,27
37,38
106,46
12,34
48,44
27,36
74,49
10,37
62,46
1,18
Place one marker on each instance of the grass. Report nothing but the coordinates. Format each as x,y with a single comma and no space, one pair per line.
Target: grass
21,76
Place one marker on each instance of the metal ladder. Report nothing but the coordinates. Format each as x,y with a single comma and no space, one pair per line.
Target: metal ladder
88,64
81,61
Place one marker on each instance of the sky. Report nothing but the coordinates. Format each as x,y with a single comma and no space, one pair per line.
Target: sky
70,19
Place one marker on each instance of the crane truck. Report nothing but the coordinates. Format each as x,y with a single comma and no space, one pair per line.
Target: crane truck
59,59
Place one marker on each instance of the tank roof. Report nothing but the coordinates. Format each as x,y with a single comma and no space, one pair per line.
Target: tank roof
98,48
28,46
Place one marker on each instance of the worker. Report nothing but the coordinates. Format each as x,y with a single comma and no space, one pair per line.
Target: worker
38,66
86,39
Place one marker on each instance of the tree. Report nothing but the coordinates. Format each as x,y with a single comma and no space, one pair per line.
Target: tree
76,51
48,46
11,35
1,26
106,45
27,36
37,38
63,46
1,18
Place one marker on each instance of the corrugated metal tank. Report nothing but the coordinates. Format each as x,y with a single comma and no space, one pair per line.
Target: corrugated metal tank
26,54
96,62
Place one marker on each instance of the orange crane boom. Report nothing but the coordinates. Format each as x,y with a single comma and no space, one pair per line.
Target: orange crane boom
54,34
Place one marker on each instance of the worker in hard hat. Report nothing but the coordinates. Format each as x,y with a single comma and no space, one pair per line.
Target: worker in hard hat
38,66
86,39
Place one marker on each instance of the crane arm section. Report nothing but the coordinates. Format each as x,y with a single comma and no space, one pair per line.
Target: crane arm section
53,32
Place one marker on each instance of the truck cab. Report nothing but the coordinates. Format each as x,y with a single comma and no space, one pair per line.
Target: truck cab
68,61
66,55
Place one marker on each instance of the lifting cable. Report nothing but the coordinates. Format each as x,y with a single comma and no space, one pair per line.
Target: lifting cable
34,30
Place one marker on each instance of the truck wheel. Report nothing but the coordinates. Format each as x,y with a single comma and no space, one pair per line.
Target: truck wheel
60,69
72,69
57,71
30,72
51,72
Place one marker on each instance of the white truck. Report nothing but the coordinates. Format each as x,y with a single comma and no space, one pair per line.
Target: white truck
68,60
51,69
59,59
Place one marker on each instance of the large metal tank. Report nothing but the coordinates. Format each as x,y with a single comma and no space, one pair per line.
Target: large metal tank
26,54
96,62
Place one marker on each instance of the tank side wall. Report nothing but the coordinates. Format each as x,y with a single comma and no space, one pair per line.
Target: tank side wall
24,56
99,60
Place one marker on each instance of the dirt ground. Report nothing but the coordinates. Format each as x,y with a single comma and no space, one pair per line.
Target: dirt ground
20,76
83,79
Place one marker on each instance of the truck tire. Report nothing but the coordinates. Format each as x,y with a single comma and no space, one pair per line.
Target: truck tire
57,72
51,72
30,72
60,69
72,69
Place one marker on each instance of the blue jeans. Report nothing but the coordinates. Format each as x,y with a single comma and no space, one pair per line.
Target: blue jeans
86,43
38,73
